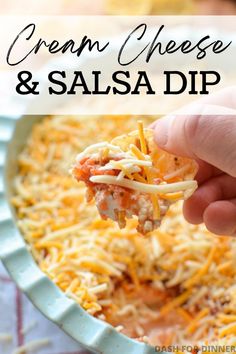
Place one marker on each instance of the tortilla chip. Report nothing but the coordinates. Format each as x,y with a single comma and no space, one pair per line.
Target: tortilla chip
167,164
117,201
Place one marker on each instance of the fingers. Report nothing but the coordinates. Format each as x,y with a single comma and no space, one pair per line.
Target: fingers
206,171
219,191
220,217
211,140
208,138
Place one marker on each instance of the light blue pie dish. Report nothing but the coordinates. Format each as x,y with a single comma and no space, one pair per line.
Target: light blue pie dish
95,335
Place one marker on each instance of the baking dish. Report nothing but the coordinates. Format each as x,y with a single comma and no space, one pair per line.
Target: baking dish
95,335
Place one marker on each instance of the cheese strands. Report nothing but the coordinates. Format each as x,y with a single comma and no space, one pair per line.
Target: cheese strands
175,286
129,177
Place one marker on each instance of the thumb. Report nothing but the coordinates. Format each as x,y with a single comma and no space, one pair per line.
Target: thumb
208,138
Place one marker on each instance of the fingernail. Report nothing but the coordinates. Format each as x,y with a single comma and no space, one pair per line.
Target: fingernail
162,130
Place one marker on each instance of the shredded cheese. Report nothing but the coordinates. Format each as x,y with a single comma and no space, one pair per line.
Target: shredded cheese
178,172
33,345
176,302
171,277
229,329
146,188
193,325
154,197
93,148
137,152
172,196
191,281
142,138
6,337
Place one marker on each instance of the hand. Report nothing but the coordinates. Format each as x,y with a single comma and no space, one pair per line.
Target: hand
211,140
